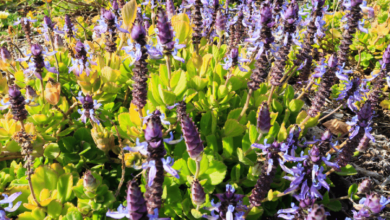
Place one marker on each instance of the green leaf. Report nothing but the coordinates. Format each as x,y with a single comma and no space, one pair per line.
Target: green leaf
168,97
295,105
255,213
232,128
348,170
325,199
64,187
54,209
44,178
228,147
67,144
277,106
215,173
301,116
253,133
163,72
83,134
243,159
282,135
181,85
196,213
51,151
198,83
334,205
352,190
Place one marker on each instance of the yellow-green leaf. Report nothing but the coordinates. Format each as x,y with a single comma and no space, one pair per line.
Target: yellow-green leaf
129,12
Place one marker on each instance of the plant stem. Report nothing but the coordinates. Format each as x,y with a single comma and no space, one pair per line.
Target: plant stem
123,158
335,110
169,71
197,169
52,45
31,187
305,90
219,43
259,137
270,95
246,105
43,90
302,124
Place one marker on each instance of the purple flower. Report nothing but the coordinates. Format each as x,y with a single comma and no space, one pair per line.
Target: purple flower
317,212
165,33
374,202
264,119
82,61
197,192
38,62
103,27
138,31
167,163
289,213
69,27
25,20
158,51
9,200
89,106
233,59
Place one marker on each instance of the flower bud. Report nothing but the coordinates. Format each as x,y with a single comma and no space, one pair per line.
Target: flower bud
197,192
315,154
220,23
52,92
5,54
58,42
165,33
115,5
265,14
170,6
307,202
48,22
36,49
102,137
386,56
364,186
14,92
317,213
192,138
138,31
135,201
30,92
264,119
89,181
108,15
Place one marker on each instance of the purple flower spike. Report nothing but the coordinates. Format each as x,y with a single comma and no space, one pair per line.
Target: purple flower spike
17,103
317,212
266,14
115,5
192,138
170,8
165,33
89,106
365,186
48,22
197,193
220,22
135,201
69,27
230,203
264,119
5,55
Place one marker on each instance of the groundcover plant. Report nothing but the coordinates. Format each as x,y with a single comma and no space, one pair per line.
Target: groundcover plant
193,109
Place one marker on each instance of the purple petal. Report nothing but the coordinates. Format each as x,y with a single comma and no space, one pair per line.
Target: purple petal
152,172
